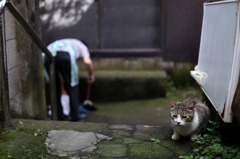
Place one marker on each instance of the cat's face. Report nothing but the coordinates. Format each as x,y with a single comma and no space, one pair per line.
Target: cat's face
181,113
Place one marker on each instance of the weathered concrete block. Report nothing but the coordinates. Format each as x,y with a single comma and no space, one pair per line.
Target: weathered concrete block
10,25
14,104
148,132
12,59
112,150
25,62
125,85
129,64
150,150
13,81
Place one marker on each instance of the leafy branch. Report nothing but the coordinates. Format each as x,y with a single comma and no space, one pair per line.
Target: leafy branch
210,146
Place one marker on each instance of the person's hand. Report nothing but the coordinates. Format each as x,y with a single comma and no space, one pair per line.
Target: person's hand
91,79
63,92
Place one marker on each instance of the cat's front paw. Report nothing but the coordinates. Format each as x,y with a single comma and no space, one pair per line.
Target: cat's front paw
194,137
175,137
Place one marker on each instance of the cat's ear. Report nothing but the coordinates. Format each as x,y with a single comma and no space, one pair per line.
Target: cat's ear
191,105
172,103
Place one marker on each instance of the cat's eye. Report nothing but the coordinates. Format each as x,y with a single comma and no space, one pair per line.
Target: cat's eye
184,116
174,116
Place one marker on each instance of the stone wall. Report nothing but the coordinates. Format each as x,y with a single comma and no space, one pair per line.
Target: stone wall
24,63
129,64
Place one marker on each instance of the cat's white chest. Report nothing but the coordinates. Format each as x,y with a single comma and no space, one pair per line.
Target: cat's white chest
189,127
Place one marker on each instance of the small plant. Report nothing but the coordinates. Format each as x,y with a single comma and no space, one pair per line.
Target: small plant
5,155
210,146
6,136
170,86
9,153
26,151
38,132
191,90
155,140
41,156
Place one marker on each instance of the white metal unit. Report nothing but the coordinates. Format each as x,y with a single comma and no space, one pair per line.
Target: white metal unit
219,55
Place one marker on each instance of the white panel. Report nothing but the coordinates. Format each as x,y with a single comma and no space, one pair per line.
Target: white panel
217,50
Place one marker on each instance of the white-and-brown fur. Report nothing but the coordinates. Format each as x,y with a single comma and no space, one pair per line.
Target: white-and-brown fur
187,117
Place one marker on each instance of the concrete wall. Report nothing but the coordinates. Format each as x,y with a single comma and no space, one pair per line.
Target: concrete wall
26,83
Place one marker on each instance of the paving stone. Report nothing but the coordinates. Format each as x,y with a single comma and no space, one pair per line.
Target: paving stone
181,147
112,150
131,141
120,134
150,151
121,127
74,157
102,137
70,143
148,132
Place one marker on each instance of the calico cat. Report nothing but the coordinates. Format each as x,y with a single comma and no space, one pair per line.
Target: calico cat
187,117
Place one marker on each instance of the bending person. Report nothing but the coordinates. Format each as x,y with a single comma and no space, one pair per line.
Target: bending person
66,52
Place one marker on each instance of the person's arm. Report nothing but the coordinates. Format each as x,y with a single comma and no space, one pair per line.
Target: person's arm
87,60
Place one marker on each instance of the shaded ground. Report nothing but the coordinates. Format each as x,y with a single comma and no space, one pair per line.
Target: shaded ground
131,125
143,112
139,112
128,142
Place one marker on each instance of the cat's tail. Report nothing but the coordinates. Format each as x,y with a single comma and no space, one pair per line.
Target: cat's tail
207,118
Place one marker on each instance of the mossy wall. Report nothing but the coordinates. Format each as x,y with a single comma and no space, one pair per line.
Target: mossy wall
26,82
180,76
120,85
156,63
127,78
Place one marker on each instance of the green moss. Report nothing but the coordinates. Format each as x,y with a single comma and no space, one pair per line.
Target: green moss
131,141
150,150
182,78
113,141
24,145
5,155
125,112
127,64
112,150
125,74
180,147
125,85
16,115
6,136
45,126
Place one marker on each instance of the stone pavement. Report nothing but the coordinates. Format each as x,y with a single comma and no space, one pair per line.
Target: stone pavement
79,140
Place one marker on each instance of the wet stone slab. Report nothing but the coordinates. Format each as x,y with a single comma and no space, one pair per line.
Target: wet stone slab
125,141
148,132
150,151
112,150
121,127
121,131
120,134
